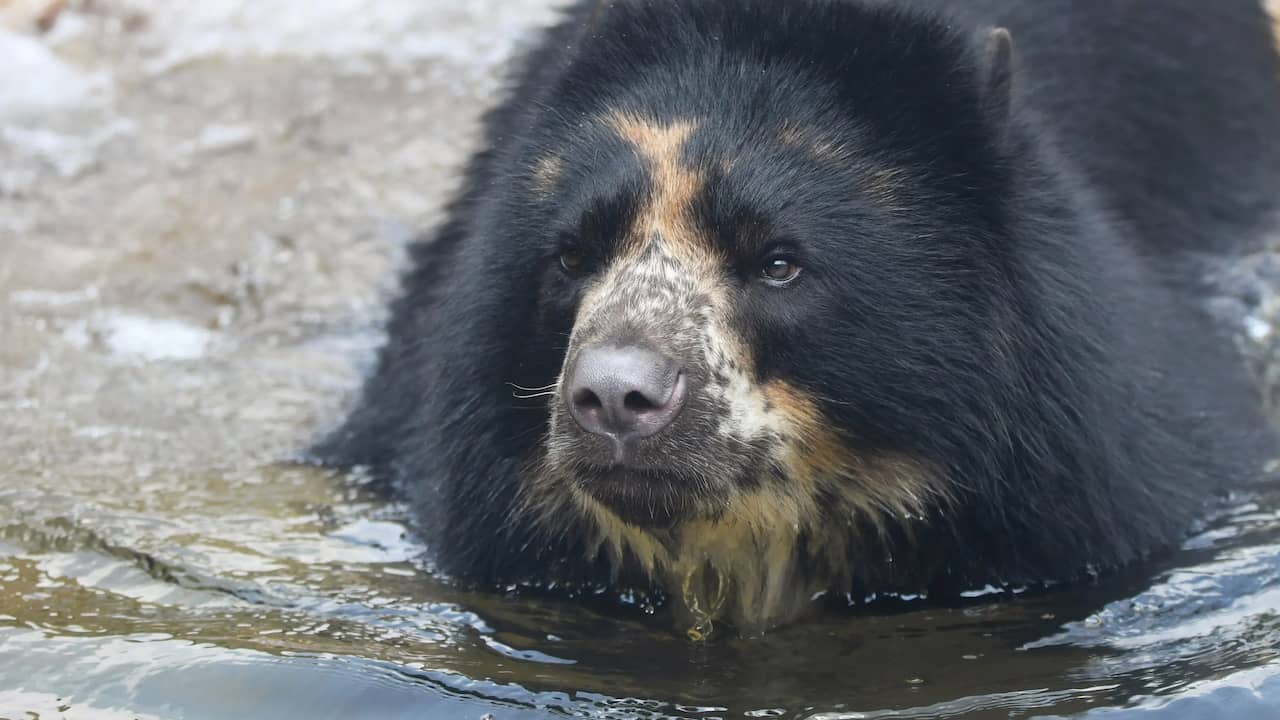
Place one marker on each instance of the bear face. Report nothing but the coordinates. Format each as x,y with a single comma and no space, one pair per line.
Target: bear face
750,302
773,258
676,208
693,269
719,291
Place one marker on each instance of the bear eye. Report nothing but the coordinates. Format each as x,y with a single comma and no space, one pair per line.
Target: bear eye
779,270
571,260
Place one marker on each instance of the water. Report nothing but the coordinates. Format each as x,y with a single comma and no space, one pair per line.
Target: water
201,213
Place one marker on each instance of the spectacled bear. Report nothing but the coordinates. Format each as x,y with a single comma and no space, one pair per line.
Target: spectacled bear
748,302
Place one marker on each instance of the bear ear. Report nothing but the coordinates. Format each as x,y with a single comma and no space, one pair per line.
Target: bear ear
997,74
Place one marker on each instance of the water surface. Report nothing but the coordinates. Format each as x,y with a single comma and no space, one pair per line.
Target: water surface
201,214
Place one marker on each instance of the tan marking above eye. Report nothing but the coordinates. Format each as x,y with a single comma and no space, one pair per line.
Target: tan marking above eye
546,174
669,211
818,147
881,186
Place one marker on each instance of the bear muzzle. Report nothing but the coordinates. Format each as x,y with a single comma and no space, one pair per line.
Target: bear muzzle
624,394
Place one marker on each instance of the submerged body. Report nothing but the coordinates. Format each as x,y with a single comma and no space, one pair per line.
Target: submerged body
747,303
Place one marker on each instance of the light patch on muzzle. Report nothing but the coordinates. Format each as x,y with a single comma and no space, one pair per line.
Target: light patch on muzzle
667,288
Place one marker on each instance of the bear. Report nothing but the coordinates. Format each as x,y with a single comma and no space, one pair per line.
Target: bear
750,308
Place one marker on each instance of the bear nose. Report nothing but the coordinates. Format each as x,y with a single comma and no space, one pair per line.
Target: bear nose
624,393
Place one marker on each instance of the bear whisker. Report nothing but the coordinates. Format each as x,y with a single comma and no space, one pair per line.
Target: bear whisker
533,395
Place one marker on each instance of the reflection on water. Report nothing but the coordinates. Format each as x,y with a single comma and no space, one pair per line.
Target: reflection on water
200,214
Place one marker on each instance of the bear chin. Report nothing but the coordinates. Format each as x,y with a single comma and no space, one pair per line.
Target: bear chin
646,499
835,299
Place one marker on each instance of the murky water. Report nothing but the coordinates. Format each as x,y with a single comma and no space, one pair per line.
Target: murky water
202,207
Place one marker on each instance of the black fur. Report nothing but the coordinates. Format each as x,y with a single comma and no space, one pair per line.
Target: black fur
1025,314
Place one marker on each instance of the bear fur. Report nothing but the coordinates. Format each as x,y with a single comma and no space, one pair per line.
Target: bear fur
994,368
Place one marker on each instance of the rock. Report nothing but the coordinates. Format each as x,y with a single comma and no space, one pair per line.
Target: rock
30,15
34,79
220,139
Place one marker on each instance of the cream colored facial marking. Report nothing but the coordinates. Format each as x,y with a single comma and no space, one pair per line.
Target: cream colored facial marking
745,565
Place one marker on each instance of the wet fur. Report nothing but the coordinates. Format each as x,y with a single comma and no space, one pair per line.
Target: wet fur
1004,375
